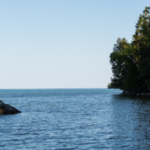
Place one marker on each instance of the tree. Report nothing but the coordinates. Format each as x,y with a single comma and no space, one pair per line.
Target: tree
131,61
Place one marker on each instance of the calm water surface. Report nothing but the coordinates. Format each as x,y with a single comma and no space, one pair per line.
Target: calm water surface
88,119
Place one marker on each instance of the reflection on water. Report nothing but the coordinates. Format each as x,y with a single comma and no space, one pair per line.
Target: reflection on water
75,119
131,115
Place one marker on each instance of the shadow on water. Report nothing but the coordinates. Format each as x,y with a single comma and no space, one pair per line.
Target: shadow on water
133,98
131,120
136,106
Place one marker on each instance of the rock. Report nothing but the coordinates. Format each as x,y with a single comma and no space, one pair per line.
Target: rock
6,109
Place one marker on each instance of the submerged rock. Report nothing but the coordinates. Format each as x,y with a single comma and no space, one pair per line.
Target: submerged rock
6,109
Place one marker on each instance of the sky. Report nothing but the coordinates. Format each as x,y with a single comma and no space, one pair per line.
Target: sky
62,43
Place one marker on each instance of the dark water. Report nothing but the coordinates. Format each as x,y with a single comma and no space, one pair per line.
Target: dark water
75,119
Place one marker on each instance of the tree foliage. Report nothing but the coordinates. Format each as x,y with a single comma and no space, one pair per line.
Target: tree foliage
131,61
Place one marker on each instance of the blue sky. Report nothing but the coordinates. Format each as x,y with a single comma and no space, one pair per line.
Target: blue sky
62,43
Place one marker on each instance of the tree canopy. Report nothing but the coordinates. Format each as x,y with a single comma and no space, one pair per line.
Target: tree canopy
131,61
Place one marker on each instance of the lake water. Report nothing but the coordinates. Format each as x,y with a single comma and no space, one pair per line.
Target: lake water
66,119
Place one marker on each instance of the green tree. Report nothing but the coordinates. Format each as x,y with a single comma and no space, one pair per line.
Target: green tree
131,61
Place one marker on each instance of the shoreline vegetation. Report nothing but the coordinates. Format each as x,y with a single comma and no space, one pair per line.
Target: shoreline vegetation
109,86
131,61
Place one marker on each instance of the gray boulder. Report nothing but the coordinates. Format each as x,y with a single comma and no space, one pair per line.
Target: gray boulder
6,109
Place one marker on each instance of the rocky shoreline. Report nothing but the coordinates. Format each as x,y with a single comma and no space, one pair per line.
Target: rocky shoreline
6,109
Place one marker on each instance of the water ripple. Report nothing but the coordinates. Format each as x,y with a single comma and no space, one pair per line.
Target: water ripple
65,120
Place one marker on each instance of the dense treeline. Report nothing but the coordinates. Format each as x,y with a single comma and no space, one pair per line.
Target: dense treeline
131,61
